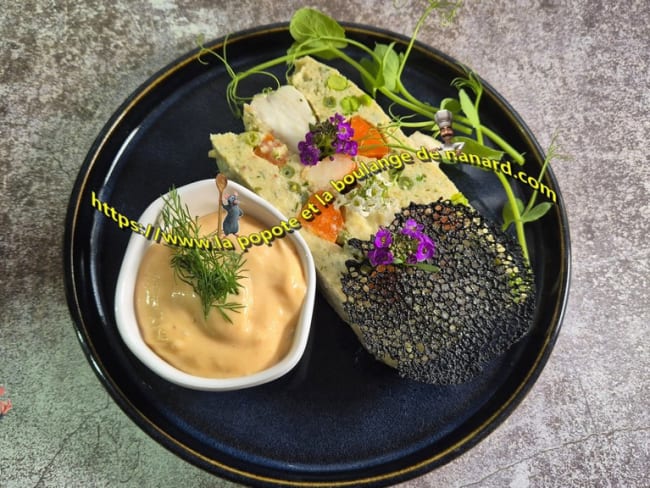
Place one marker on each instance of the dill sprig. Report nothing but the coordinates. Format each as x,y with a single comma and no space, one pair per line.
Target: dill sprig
213,273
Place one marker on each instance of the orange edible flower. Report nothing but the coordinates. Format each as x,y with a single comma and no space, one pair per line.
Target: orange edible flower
371,142
327,223
273,150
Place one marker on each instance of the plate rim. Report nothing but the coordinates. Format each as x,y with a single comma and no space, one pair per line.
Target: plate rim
196,458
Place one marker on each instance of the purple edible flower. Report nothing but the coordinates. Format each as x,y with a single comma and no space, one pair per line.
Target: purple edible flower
383,238
309,154
380,255
410,245
346,147
333,136
344,130
426,248
412,229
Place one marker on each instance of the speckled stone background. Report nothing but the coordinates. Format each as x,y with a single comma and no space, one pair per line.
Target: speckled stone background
577,66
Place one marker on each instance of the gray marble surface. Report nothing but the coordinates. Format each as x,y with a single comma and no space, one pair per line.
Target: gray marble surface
576,66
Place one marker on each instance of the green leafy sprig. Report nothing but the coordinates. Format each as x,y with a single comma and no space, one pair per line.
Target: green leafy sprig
214,274
470,109
531,211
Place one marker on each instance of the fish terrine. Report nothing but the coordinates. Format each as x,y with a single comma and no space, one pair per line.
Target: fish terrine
464,319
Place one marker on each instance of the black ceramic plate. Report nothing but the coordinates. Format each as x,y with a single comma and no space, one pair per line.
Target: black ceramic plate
339,418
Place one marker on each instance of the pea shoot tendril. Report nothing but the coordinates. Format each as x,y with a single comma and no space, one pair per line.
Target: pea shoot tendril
381,69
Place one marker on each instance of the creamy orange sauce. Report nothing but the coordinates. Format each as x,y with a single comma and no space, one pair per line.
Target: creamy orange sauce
171,318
